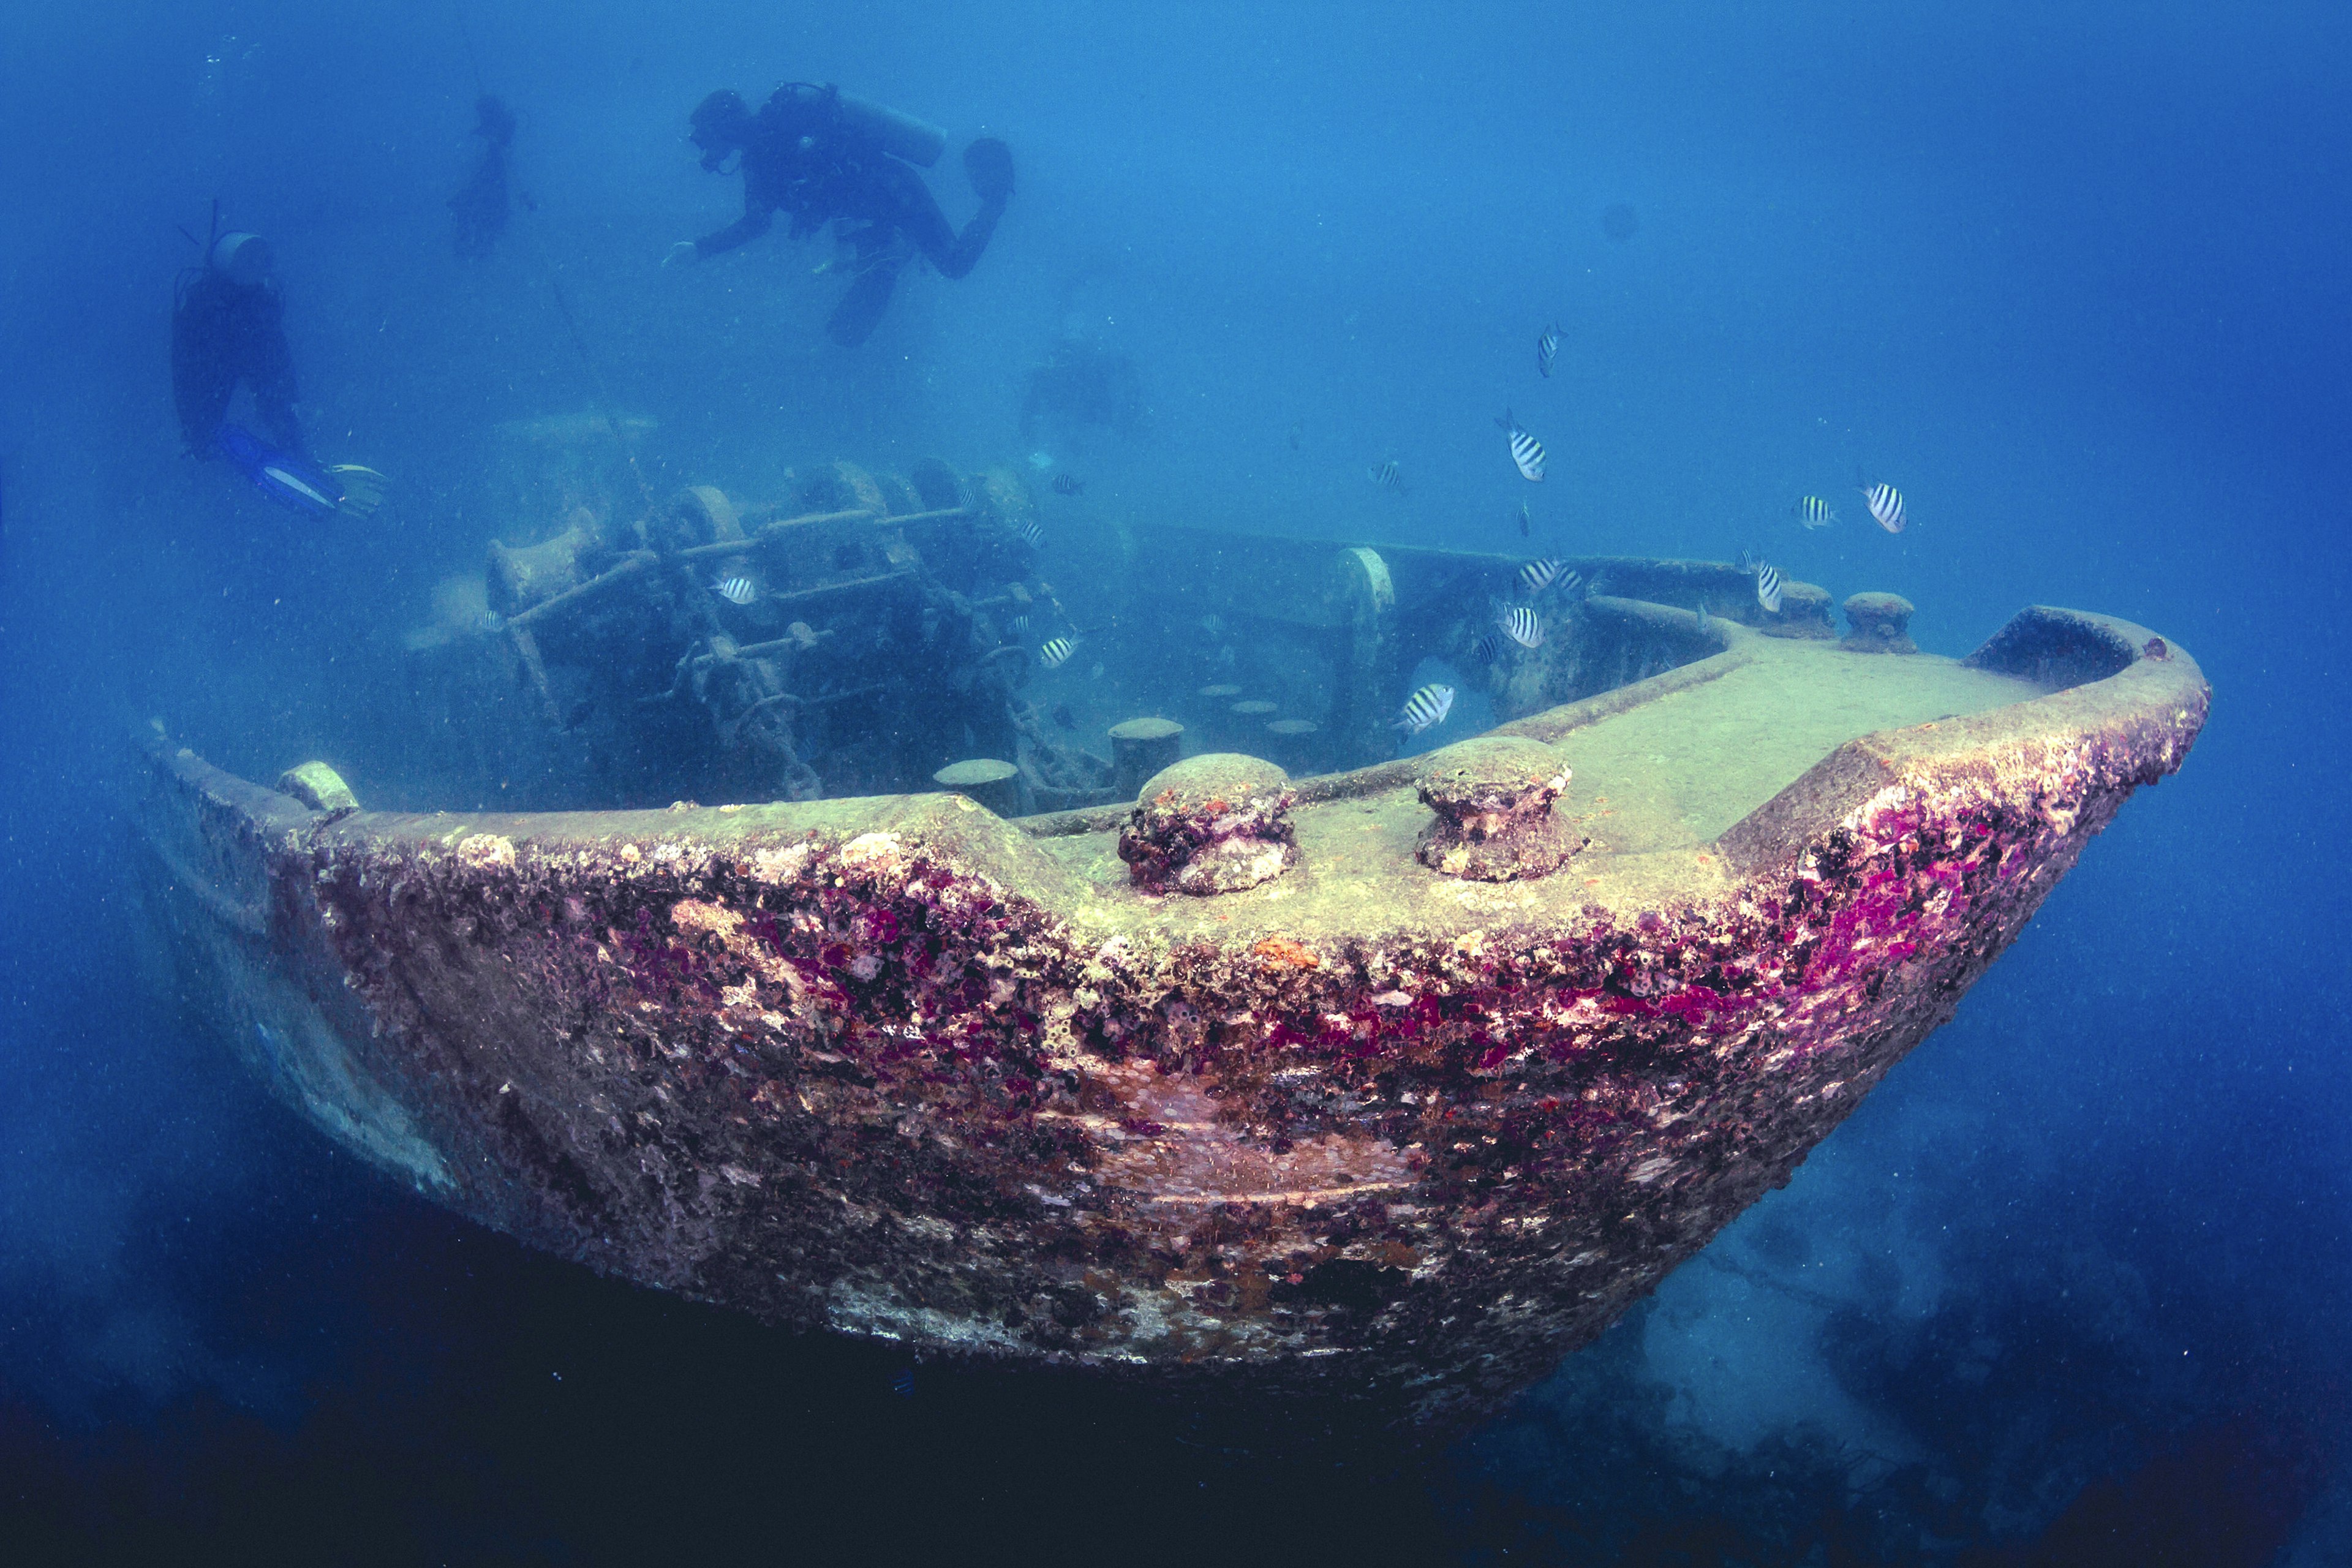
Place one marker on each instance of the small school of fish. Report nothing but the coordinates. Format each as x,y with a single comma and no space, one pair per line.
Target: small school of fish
1520,624
1425,707
736,590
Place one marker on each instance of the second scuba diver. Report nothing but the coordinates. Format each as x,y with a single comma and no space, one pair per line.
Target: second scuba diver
480,206
821,156
228,326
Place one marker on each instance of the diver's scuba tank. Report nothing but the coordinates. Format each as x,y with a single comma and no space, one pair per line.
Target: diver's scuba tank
917,141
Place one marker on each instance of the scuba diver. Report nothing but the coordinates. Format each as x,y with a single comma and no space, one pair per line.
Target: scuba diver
821,156
480,206
228,326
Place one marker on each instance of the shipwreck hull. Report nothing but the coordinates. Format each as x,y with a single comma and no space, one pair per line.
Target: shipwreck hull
898,1067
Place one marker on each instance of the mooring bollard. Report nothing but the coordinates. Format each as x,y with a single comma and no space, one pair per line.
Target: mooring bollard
1492,797
990,783
1291,742
1881,624
1140,748
1211,824
1213,711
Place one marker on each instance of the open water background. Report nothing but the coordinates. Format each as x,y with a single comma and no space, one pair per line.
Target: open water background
2068,1288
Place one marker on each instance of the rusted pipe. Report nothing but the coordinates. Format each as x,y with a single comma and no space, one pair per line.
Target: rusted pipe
631,565
832,588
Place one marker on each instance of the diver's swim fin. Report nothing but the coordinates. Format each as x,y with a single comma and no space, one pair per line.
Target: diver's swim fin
987,164
290,480
363,487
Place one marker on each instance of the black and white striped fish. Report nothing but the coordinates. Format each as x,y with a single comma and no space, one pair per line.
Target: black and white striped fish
1815,512
1425,707
1538,575
736,590
1056,652
1031,534
1489,647
1527,452
1546,349
1021,627
1389,476
1748,563
1886,506
1520,624
1767,587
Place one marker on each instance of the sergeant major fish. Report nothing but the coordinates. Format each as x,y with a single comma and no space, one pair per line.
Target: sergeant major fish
1546,349
1767,587
1527,452
1425,707
736,590
1815,512
1520,624
1886,505
1538,575
1389,476
1056,652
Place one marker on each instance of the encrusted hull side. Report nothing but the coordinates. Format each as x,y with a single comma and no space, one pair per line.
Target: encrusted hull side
884,1066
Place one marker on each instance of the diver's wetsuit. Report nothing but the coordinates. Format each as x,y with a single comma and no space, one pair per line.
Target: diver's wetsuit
800,160
222,332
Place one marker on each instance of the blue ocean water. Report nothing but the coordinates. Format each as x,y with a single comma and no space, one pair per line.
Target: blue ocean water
2068,1288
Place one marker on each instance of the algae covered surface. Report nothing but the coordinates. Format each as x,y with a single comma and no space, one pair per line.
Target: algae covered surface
1655,784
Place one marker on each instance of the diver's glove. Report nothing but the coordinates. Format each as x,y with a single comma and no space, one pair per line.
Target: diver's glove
684,253
987,164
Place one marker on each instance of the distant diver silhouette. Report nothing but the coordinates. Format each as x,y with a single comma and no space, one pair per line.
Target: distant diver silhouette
821,156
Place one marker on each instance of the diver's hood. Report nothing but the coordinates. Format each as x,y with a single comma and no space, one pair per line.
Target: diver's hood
244,258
